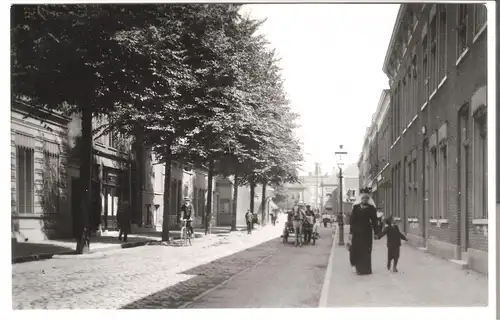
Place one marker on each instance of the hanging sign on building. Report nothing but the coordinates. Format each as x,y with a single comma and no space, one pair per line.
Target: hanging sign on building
111,178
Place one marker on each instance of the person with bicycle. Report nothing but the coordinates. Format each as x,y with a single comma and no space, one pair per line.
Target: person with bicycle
187,214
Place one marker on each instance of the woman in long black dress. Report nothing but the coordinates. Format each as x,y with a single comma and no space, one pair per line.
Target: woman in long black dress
362,221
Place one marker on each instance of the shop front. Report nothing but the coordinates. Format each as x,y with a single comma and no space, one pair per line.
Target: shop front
115,190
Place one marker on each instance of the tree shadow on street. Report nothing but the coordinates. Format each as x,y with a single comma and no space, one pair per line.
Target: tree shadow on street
205,277
23,249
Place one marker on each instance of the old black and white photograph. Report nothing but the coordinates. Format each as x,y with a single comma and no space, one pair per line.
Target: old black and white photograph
204,155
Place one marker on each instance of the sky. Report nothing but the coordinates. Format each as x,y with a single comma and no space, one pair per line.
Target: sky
331,59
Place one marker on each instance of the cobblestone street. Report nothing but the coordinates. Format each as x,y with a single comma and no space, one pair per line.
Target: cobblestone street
123,278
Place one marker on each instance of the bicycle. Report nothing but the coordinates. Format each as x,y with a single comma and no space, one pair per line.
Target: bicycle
185,233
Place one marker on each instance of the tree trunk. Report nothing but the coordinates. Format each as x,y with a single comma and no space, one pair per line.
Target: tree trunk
263,204
165,232
252,197
140,165
235,203
83,226
208,218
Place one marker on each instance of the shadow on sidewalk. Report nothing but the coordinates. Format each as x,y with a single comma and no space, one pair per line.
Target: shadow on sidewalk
22,249
205,277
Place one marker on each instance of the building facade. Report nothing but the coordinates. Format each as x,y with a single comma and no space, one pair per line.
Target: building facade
374,159
40,191
313,189
185,181
436,65
45,185
224,200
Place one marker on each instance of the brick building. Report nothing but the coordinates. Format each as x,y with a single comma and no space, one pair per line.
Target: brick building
436,64
374,158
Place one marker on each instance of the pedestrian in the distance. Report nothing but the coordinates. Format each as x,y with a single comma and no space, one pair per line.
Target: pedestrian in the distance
249,220
187,213
394,237
325,218
123,219
380,218
298,219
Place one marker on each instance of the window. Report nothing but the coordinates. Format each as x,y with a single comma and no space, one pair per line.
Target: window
443,182
409,100
425,69
415,183
480,164
402,106
113,139
480,17
410,171
414,82
394,188
24,179
462,29
50,176
409,29
442,42
434,185
400,191
433,54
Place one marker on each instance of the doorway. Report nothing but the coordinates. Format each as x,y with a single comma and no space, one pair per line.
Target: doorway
76,202
463,177
425,191
111,196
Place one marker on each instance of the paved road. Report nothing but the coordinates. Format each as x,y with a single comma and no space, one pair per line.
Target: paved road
288,277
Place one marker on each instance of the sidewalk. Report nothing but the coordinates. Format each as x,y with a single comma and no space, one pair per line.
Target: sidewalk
423,280
47,249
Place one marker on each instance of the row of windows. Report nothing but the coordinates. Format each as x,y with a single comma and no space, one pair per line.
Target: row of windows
50,192
472,174
112,139
427,69
25,181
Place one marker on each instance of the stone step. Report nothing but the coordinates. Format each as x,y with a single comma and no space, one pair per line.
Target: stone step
461,263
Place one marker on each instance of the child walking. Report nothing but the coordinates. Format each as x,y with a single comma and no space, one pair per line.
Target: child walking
394,237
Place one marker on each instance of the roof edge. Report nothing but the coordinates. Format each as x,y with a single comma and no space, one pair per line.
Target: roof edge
395,29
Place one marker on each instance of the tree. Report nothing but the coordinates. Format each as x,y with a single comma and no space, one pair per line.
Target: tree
75,59
280,196
222,113
163,114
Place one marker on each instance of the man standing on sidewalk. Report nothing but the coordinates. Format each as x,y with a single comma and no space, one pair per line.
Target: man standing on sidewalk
123,219
249,220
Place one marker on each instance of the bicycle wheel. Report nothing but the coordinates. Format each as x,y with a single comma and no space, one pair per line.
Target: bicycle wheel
183,236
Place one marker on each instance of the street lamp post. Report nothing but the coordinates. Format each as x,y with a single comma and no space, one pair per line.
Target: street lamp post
339,155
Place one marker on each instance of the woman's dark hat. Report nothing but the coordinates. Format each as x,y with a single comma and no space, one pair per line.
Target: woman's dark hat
365,190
